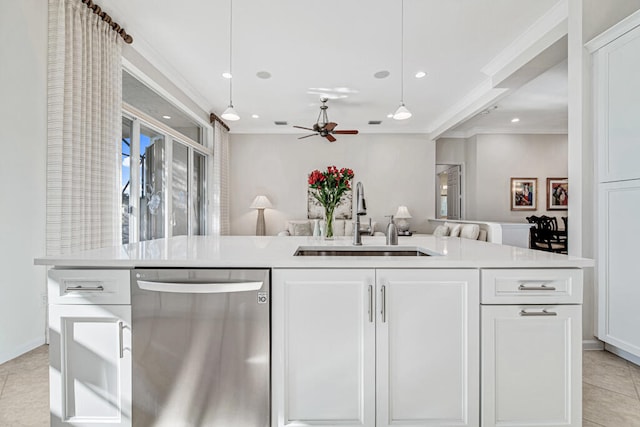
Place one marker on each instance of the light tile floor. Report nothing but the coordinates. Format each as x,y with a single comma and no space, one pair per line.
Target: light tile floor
611,390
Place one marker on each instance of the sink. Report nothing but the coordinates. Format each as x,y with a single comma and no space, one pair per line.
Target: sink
384,251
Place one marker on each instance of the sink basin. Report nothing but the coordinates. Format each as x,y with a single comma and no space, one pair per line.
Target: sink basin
384,251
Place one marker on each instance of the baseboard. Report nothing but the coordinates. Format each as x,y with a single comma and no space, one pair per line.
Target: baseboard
26,347
592,345
624,354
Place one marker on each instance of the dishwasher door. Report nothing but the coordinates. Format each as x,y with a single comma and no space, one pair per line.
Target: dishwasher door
201,350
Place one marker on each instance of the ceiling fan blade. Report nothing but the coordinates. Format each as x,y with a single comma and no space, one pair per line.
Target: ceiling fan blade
330,126
300,127
330,138
345,132
307,136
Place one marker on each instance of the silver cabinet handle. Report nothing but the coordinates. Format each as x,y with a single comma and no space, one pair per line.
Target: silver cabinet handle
383,305
121,338
544,312
542,287
371,309
81,288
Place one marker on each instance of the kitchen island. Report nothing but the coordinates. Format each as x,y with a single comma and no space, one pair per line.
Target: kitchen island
475,334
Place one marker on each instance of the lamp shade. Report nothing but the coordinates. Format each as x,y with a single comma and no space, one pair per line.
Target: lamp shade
403,213
230,113
402,113
261,202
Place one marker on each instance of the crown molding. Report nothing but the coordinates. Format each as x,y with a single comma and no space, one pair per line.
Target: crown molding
614,32
502,131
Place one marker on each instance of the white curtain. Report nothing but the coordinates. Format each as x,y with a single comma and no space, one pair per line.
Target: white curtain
84,130
221,224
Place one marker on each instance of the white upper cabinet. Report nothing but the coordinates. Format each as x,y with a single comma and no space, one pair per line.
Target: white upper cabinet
617,107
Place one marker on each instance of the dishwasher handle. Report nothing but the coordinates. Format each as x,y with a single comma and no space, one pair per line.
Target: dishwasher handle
199,288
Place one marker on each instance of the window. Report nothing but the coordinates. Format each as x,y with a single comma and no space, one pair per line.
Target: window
164,188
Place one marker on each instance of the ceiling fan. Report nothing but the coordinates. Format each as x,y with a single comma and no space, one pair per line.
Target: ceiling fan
324,127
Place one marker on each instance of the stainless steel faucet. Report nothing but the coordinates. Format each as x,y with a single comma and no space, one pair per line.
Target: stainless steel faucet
361,209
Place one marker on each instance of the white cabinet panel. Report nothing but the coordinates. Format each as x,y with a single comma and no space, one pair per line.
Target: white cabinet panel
323,348
531,366
618,267
617,74
90,365
427,348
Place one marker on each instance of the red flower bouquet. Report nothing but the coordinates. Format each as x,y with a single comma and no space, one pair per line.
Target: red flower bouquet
329,186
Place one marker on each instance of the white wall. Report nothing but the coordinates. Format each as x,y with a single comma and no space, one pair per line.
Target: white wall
23,135
394,169
492,160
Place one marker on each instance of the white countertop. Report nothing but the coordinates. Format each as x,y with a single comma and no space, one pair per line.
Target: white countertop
277,252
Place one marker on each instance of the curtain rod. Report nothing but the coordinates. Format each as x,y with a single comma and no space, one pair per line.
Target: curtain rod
214,118
106,18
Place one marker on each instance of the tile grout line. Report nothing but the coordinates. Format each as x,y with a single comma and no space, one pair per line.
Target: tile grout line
4,382
633,381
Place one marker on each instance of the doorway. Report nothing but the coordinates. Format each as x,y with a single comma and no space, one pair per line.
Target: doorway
449,191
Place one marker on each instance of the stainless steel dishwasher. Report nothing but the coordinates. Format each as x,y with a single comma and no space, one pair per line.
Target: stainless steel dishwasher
201,348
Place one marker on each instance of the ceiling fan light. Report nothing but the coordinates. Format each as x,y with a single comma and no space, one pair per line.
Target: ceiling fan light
402,113
230,114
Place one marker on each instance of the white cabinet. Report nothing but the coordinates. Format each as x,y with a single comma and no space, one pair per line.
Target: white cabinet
375,347
90,347
427,348
619,293
531,348
90,365
616,59
617,96
323,348
531,365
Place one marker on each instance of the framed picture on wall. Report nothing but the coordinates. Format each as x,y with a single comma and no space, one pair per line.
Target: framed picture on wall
557,194
524,194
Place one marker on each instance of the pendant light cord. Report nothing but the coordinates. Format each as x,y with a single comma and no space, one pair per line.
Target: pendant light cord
402,53
230,51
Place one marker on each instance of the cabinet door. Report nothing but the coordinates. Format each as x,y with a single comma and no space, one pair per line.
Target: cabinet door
531,366
90,365
617,76
323,348
619,292
427,348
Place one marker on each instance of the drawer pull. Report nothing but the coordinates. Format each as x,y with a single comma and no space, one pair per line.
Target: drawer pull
121,339
538,313
81,288
536,288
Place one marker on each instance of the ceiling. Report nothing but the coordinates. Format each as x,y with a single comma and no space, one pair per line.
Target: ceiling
334,48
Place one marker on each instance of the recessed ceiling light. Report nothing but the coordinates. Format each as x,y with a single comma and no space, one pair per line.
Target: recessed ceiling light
255,116
166,117
389,116
381,74
515,120
226,75
420,74
263,74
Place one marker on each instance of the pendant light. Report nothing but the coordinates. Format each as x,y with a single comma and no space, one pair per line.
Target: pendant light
230,113
402,113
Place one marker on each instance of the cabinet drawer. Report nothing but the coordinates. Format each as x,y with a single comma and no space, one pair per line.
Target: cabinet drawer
531,286
89,287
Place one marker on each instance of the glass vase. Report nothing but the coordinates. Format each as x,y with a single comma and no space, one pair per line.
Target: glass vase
328,220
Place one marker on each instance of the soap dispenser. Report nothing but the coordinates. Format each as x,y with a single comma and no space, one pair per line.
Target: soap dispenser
392,232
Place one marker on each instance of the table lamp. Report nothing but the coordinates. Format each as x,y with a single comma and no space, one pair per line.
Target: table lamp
401,217
260,203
